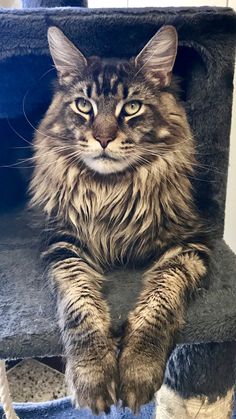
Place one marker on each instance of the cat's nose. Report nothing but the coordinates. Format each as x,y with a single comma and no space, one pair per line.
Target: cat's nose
104,140
105,129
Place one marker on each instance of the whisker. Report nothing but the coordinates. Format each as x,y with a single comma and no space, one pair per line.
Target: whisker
34,158
67,158
35,128
8,121
17,133
188,176
22,147
197,164
46,72
212,169
199,410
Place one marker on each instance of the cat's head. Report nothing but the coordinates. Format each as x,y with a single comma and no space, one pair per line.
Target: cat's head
114,114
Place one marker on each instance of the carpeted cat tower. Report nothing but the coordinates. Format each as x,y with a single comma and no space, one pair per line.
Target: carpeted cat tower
203,362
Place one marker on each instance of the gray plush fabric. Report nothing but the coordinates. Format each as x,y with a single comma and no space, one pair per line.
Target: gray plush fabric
53,3
27,309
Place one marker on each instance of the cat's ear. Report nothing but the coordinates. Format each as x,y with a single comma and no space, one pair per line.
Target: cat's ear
157,58
68,60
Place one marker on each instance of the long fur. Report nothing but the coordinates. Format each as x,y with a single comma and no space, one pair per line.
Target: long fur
131,210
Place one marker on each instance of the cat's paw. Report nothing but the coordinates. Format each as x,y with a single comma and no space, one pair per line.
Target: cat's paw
141,375
93,382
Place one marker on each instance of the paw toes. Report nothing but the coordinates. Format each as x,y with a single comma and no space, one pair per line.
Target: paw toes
100,405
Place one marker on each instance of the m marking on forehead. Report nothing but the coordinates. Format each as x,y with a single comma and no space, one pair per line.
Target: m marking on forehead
114,85
125,92
109,81
97,84
89,90
113,81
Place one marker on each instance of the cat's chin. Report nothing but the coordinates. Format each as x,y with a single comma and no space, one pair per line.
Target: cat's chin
106,166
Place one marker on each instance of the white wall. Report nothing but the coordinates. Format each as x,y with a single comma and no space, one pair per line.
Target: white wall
156,3
10,3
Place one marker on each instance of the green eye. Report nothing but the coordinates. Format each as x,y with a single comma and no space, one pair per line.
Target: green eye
83,105
132,107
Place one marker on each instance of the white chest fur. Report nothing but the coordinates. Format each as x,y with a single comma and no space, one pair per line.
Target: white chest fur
115,219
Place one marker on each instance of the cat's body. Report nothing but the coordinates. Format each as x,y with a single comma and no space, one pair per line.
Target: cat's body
112,173
121,216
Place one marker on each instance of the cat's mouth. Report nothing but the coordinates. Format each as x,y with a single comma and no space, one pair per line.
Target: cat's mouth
105,163
104,156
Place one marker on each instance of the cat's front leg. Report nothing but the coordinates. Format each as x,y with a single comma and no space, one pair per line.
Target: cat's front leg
152,325
91,364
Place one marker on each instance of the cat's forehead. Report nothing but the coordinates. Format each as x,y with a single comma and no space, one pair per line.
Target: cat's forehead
108,78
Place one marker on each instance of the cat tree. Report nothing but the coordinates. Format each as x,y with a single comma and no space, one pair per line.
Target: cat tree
205,63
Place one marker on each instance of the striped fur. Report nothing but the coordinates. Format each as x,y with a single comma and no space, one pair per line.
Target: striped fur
132,207
172,406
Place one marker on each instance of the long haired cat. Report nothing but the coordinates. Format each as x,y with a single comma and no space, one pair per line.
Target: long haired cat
114,154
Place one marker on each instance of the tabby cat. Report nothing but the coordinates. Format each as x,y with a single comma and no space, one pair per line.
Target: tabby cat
114,158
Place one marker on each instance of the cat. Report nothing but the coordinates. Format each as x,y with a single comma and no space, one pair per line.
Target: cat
114,158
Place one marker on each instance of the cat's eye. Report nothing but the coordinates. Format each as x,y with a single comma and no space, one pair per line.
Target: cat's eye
83,105
132,107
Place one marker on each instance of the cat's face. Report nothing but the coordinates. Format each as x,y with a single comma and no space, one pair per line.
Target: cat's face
110,114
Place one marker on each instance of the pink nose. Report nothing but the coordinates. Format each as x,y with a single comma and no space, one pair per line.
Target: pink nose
105,129
104,141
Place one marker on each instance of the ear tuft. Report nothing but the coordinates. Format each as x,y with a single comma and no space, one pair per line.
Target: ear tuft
157,58
68,60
